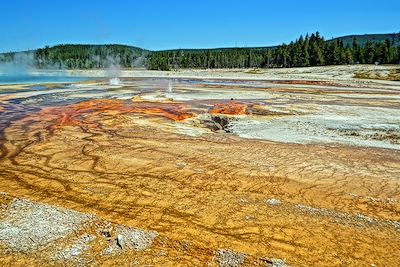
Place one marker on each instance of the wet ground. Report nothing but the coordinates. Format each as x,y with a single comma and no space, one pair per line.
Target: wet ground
223,172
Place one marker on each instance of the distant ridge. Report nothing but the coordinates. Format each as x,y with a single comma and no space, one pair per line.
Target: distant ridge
307,50
362,39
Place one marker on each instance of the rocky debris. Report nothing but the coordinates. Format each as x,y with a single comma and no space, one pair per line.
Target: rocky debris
275,262
122,238
222,121
391,135
365,219
262,110
249,217
312,210
395,224
107,230
389,201
181,165
229,258
26,226
186,245
132,238
30,227
218,123
243,201
77,248
278,263
357,219
273,202
111,249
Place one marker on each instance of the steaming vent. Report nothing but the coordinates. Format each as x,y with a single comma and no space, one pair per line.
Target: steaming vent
113,70
115,81
169,89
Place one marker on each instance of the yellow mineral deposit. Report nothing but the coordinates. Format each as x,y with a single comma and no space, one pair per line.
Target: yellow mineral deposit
132,191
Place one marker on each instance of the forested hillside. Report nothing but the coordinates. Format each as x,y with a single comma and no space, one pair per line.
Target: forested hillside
90,56
81,56
362,40
308,50
305,51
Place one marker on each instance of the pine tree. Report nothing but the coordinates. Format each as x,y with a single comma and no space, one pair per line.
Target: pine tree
304,53
369,53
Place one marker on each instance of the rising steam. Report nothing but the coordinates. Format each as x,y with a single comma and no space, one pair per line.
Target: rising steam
19,64
23,64
113,70
169,90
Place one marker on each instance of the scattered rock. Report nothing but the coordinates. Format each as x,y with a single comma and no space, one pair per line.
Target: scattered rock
278,263
218,123
26,226
346,218
113,248
181,165
310,209
132,238
186,245
273,202
243,201
108,251
249,217
75,250
395,224
120,241
229,258
275,262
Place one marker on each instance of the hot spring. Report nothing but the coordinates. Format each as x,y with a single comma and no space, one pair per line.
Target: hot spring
38,78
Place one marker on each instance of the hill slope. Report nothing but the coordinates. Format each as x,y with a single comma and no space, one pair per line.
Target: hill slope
375,38
319,52
79,56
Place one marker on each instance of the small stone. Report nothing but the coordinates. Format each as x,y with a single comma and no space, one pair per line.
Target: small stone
273,202
229,258
108,250
278,263
120,241
132,238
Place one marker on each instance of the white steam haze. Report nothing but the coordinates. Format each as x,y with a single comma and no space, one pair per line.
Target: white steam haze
169,90
138,62
23,64
113,70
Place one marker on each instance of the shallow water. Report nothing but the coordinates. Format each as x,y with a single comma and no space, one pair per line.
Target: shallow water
308,117
39,79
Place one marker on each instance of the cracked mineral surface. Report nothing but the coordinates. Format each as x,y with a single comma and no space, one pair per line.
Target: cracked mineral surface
219,172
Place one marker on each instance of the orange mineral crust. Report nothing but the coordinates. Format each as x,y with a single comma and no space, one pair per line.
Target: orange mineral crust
111,182
215,195
230,108
79,114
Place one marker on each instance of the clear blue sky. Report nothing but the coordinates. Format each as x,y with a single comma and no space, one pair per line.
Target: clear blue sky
151,24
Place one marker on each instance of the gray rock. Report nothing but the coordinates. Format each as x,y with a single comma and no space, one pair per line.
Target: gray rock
278,263
273,202
26,226
135,239
229,258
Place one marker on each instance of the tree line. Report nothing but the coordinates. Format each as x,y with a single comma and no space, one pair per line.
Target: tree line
306,51
79,57
311,50
88,56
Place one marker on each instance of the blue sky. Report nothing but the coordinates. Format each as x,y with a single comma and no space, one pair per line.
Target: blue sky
151,24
